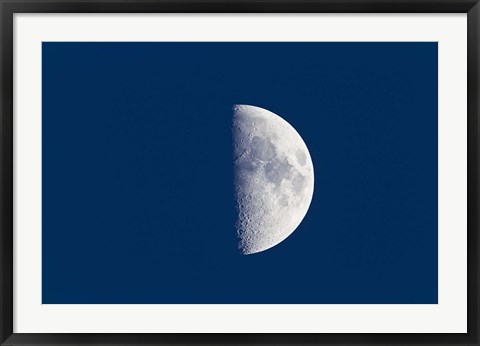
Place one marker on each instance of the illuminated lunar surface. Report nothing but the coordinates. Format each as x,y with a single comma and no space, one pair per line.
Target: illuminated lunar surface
273,176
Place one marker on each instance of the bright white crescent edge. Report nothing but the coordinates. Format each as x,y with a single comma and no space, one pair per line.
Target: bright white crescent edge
273,177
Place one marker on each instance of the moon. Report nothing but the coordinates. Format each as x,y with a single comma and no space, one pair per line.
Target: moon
273,178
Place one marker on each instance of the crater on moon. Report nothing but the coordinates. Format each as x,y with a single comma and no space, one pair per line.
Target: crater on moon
273,176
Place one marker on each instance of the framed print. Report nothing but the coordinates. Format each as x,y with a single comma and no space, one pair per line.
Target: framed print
239,173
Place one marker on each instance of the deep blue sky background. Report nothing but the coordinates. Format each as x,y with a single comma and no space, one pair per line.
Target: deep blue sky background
137,172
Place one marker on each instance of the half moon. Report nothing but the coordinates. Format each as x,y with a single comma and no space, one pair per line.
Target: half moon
273,177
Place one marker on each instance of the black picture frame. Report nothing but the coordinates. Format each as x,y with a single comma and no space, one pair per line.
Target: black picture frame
7,10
